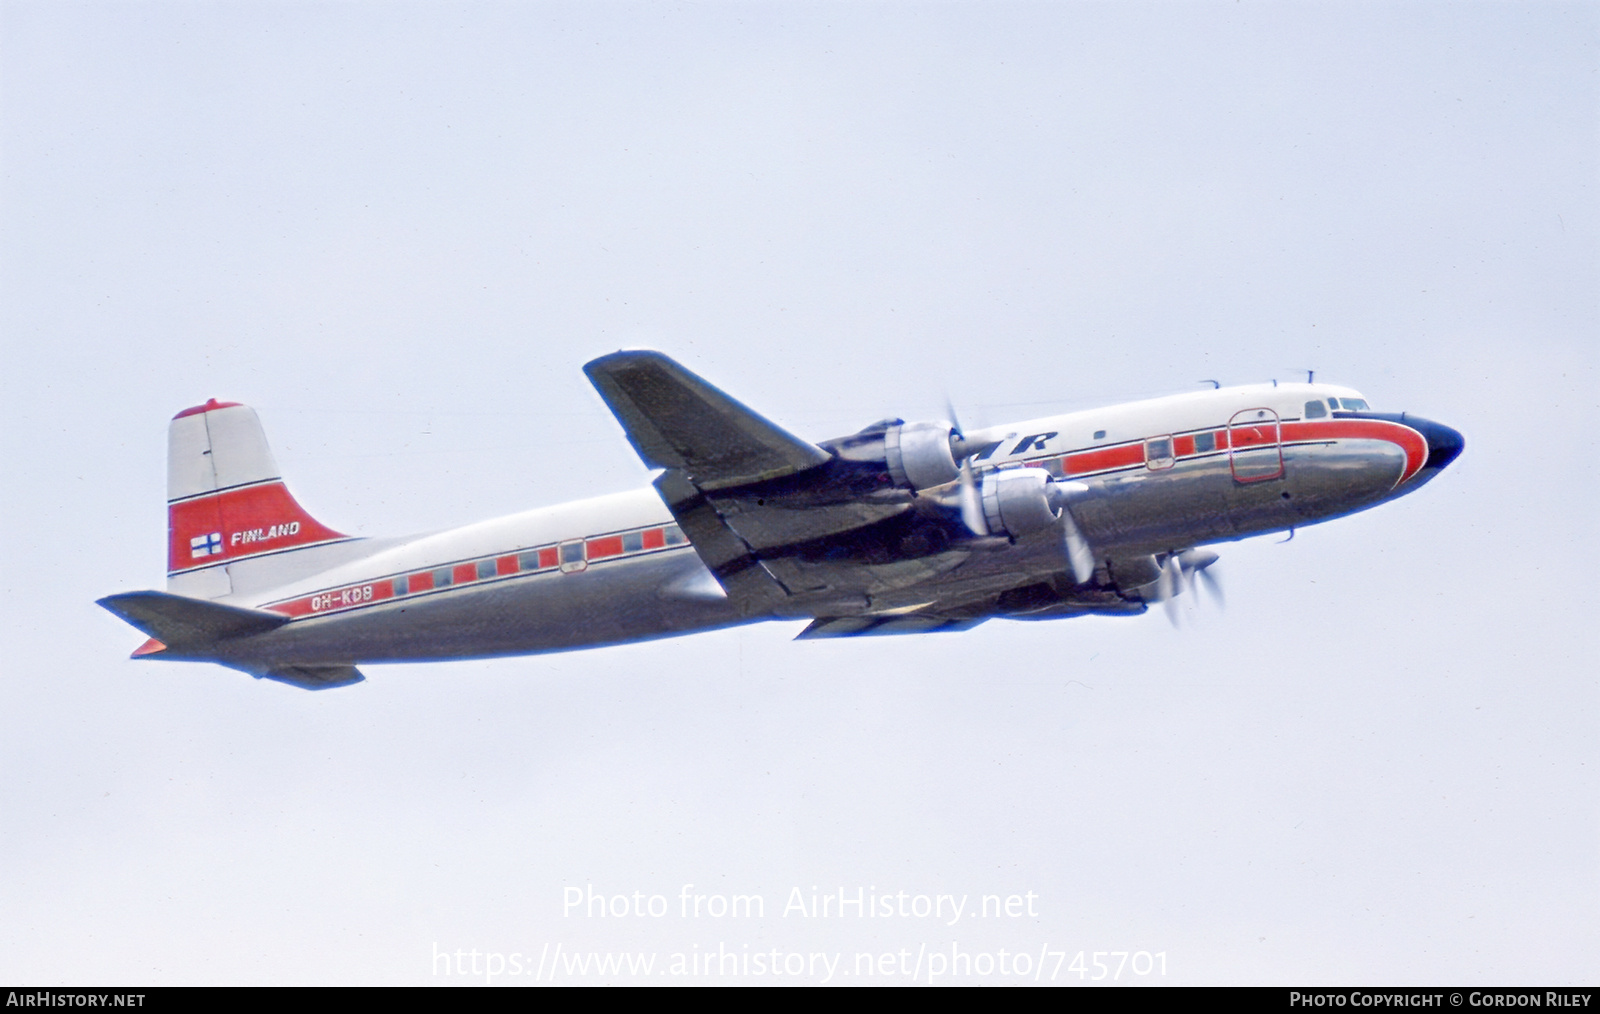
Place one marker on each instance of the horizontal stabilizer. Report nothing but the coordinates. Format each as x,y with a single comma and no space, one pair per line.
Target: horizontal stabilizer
863,626
674,419
315,677
182,623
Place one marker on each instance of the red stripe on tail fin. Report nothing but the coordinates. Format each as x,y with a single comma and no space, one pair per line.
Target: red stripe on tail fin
238,523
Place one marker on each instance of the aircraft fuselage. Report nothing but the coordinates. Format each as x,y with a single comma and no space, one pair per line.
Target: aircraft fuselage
1149,479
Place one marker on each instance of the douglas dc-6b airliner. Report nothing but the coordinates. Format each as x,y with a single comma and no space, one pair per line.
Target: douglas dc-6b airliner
904,527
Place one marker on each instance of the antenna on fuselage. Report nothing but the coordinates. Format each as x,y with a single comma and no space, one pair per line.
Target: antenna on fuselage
1311,376
1215,384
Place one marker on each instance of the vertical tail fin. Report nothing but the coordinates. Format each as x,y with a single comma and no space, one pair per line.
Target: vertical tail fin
228,510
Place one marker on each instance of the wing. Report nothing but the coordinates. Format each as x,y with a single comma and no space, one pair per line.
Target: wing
793,529
676,420
744,490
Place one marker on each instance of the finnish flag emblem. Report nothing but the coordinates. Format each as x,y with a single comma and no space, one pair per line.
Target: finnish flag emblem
205,545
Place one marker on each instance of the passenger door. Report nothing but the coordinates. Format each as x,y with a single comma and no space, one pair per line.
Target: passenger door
1255,451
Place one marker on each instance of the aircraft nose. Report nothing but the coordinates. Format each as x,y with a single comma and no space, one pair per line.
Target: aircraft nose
1444,443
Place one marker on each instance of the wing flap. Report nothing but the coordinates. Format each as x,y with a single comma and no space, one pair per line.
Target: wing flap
674,419
729,558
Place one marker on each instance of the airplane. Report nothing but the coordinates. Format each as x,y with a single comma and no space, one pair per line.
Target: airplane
903,527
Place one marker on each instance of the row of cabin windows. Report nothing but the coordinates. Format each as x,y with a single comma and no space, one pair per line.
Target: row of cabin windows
1159,453
533,559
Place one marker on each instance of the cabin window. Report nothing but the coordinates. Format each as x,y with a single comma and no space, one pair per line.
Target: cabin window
528,561
442,578
1314,410
485,569
632,542
1204,442
401,586
1158,452
1099,434
573,558
674,535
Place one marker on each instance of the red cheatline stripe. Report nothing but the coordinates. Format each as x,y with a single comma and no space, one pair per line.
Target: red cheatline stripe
545,558
1130,455
1103,460
1407,439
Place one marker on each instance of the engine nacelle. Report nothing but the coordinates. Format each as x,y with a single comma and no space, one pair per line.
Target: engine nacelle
1017,501
916,455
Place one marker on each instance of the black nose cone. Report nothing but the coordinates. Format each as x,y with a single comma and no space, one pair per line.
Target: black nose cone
1444,443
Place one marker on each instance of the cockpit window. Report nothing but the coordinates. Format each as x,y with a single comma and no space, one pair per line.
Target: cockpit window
1354,405
1315,410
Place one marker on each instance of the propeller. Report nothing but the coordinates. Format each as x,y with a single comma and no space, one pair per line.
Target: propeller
1197,562
1183,571
1080,557
971,500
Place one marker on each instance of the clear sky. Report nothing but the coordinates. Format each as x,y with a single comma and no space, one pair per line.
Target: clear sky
398,231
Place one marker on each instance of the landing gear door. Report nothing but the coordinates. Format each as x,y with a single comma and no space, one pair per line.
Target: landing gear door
1255,451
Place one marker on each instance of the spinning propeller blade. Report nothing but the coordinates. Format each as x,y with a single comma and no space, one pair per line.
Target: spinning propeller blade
971,500
1183,571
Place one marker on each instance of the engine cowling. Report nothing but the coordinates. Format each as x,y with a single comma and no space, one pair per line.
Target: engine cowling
1018,501
917,455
